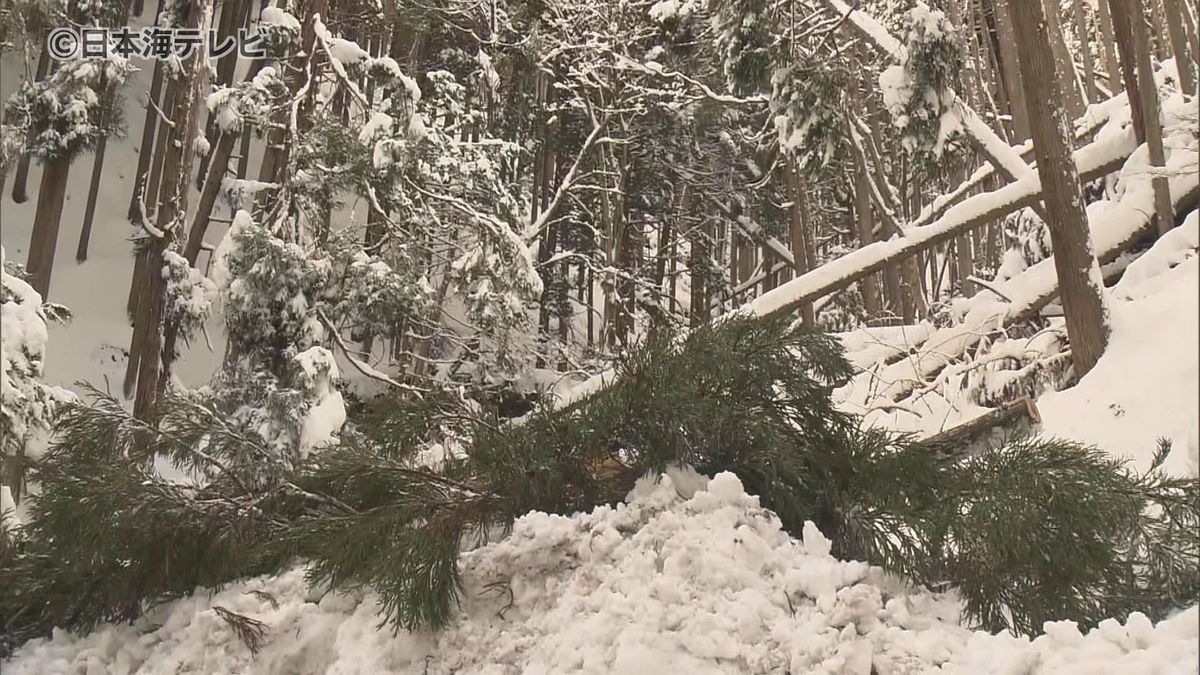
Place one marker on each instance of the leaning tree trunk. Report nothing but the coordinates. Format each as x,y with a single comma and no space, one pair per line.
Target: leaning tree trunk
233,17
1011,75
1079,279
44,239
1064,65
89,211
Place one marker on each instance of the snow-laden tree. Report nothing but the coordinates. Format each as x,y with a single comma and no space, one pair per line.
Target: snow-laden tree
61,116
27,404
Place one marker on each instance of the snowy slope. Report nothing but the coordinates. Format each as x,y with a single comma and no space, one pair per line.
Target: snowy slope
94,345
685,581
675,580
1147,385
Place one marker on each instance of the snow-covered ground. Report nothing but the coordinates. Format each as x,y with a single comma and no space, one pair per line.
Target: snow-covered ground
688,576
693,576
1146,386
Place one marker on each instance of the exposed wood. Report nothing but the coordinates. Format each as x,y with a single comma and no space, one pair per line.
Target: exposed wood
1021,413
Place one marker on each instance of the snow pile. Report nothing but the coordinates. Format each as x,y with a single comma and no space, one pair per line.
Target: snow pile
689,575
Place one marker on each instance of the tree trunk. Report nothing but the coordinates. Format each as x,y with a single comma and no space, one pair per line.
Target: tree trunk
217,167
1177,26
1123,30
44,239
866,228
1149,97
1108,39
177,162
20,194
149,127
1156,40
161,150
1079,278
1010,70
698,264
1064,65
89,211
233,16
1085,51
798,236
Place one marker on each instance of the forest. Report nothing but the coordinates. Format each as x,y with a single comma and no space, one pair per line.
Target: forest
635,336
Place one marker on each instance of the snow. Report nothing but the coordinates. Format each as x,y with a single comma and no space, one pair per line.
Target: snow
8,510
1147,385
273,16
23,340
219,270
327,413
689,575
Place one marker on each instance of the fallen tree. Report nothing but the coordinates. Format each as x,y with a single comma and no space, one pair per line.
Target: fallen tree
1095,160
1118,225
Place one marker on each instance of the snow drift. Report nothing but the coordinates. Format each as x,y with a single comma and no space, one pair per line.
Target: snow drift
689,575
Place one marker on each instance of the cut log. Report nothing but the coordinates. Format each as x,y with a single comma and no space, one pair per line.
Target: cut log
1018,414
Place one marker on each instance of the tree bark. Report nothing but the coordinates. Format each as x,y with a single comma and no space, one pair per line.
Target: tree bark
698,259
233,16
1109,40
866,228
144,370
798,236
1153,131
89,211
1085,51
1177,27
161,150
20,194
1120,11
1064,65
46,221
1010,70
1079,280
149,128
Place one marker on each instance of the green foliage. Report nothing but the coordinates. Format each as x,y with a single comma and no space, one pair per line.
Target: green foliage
65,113
1028,531
919,91
808,97
745,41
1053,529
